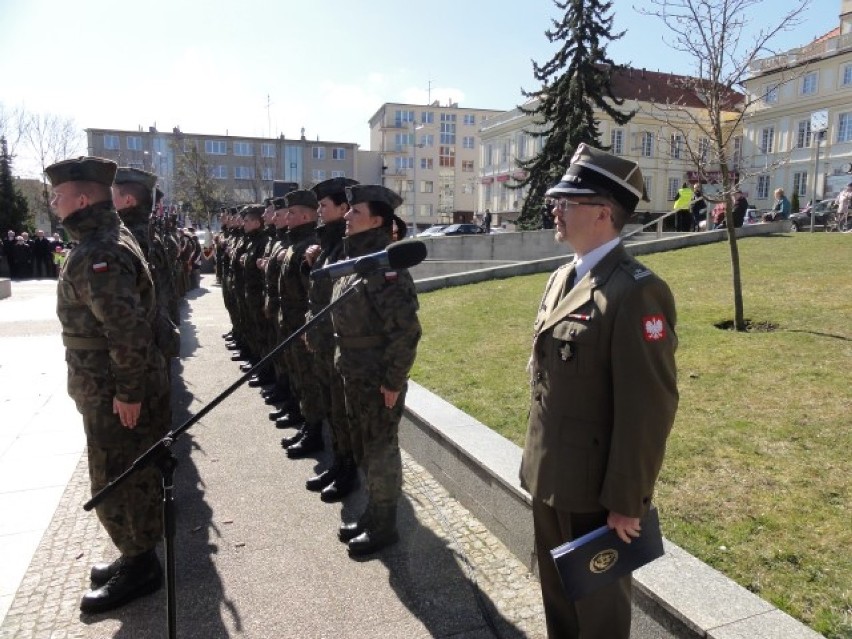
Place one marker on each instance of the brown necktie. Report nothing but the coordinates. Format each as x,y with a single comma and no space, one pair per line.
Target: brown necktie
569,281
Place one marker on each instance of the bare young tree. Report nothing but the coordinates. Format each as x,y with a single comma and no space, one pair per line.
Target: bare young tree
51,138
13,125
195,184
711,33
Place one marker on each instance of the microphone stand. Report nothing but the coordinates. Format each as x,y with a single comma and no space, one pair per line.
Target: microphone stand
160,455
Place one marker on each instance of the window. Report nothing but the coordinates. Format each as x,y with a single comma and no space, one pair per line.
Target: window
267,150
403,116
427,186
448,132
521,146
800,183
677,146
803,135
762,187
401,140
448,117
446,156
504,151
767,139
467,166
267,173
426,163
318,175
338,153
738,151
336,174
847,75
674,186
243,149
406,186
427,117
703,149
425,210
616,141
318,152
243,172
134,143
649,185
469,118
427,139
214,147
405,162
467,142
647,144
844,127
219,172
111,142
770,93
159,145
809,83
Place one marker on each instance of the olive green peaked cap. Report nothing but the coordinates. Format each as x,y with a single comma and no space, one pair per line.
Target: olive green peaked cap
332,186
301,198
82,169
125,175
372,193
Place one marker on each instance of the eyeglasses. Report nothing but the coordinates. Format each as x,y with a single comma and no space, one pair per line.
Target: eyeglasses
562,205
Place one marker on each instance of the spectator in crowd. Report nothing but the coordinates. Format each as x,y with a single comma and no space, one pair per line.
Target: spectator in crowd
42,257
844,200
683,217
740,208
697,206
22,259
781,209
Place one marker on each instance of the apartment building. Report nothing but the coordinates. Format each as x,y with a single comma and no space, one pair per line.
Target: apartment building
246,166
800,125
430,156
666,143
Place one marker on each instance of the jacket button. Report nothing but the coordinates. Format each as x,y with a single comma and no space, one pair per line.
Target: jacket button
572,332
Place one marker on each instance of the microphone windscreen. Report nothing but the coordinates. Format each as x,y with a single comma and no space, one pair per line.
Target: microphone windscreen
406,254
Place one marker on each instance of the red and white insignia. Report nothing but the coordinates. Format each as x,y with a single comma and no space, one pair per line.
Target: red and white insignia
100,267
391,276
653,328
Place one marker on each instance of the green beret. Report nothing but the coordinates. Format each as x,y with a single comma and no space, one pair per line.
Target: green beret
334,185
279,203
301,198
372,193
82,169
252,210
125,175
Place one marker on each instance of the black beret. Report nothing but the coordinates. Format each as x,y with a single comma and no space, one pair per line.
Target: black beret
253,210
334,185
82,169
372,193
301,198
279,203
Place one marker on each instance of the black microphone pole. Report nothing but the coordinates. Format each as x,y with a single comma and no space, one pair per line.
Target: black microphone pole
160,455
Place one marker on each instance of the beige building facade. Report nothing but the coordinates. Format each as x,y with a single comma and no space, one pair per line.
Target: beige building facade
246,166
430,155
800,125
665,141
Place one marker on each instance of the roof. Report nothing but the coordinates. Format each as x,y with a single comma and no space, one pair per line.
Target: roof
827,36
663,88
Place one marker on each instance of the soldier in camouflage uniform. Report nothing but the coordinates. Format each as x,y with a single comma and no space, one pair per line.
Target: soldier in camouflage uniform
341,477
293,291
238,290
132,196
106,305
377,332
265,337
172,244
255,242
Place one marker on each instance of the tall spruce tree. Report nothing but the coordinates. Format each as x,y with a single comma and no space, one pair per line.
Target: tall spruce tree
574,81
14,211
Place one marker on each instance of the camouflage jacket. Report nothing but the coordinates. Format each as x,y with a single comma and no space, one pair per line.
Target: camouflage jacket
321,336
294,280
273,271
137,221
376,329
255,243
106,306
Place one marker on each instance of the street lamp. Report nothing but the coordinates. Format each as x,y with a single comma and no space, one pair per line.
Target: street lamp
819,123
414,129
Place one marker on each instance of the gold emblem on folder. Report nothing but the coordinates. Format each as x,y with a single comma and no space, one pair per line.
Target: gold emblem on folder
603,561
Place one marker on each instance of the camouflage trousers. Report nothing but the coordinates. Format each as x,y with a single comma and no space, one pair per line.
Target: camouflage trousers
334,399
132,514
255,332
303,378
375,438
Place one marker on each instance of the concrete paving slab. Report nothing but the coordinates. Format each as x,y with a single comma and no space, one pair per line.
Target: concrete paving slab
765,626
33,508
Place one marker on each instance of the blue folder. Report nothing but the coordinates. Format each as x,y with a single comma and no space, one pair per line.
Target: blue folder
599,558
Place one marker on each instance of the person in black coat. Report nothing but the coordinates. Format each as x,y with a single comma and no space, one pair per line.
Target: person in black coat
22,259
42,256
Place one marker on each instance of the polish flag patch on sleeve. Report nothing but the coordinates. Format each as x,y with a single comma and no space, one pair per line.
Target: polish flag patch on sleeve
653,328
100,267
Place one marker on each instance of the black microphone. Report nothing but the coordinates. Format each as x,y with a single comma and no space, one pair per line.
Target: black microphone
397,255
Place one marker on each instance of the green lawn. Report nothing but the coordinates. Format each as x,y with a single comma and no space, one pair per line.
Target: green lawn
757,477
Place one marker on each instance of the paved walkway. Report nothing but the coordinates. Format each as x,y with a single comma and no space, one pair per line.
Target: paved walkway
257,554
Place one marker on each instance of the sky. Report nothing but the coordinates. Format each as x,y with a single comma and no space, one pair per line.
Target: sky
261,67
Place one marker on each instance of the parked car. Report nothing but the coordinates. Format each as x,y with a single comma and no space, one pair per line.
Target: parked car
432,230
461,229
801,221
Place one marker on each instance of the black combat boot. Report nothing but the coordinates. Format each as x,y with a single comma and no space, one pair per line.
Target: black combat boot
102,572
380,532
309,444
227,336
286,442
134,577
247,366
349,531
344,483
324,478
291,419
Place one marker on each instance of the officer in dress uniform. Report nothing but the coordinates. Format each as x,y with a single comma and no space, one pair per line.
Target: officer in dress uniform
377,332
106,305
604,388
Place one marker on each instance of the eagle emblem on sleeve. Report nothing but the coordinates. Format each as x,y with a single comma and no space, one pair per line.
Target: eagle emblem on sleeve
653,328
